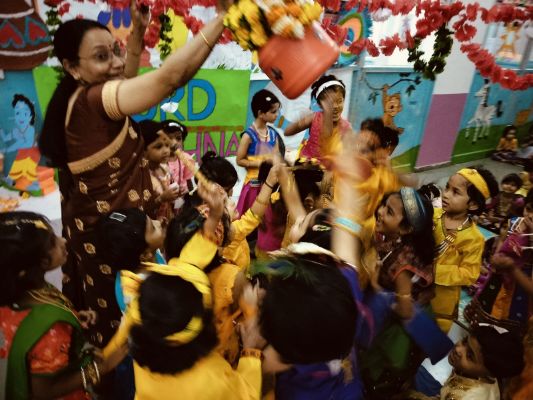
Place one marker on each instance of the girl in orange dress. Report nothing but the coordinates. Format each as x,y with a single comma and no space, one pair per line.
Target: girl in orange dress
43,345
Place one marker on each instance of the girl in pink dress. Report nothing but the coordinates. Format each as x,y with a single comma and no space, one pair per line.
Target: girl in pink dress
326,127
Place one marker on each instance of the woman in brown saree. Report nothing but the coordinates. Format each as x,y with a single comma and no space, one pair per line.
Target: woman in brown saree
88,134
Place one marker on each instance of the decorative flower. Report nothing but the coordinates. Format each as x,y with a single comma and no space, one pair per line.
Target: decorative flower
63,9
337,33
53,3
252,22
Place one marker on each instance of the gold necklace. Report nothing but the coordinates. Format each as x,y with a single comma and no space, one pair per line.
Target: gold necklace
51,295
449,237
261,135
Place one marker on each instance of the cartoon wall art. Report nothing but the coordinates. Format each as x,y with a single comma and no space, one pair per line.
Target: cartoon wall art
488,110
481,120
399,97
24,38
358,25
392,102
20,123
522,116
509,38
392,105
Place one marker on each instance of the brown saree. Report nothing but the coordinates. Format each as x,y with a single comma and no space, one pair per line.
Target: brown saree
105,154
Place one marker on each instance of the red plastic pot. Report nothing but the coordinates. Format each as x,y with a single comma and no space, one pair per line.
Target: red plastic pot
294,64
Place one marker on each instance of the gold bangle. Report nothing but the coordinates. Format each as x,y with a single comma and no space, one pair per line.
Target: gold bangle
252,353
404,296
205,40
91,374
84,379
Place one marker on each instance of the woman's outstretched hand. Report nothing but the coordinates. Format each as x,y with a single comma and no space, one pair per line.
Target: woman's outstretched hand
140,15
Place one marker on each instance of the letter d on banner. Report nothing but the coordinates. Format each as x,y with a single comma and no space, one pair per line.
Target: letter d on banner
209,90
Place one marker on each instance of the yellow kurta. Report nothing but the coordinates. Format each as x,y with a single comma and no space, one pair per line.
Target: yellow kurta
225,311
459,265
238,251
210,378
382,180
197,251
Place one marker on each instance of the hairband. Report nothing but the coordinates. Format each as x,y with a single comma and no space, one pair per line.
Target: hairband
35,222
175,125
188,273
415,212
475,178
325,85
186,335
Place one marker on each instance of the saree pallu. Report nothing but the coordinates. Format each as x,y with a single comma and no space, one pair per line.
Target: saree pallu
44,340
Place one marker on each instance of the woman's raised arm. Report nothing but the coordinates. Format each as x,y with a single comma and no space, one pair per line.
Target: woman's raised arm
138,94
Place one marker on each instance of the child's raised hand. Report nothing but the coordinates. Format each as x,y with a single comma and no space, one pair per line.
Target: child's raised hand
502,263
170,194
327,102
107,364
86,318
214,196
250,334
273,175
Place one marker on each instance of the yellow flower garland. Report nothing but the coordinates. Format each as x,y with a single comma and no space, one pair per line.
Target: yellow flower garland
252,22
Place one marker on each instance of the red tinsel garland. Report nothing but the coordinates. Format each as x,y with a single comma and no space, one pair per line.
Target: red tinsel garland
436,15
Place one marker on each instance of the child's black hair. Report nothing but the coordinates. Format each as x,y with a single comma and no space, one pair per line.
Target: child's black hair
150,131
181,229
25,100
218,170
263,101
171,126
507,129
323,79
513,179
528,164
121,237
388,137
475,195
166,305
430,191
319,230
503,353
308,313
422,241
26,246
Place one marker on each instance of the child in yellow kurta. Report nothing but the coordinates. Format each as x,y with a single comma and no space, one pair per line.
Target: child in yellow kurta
169,362
185,362
458,240
225,273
